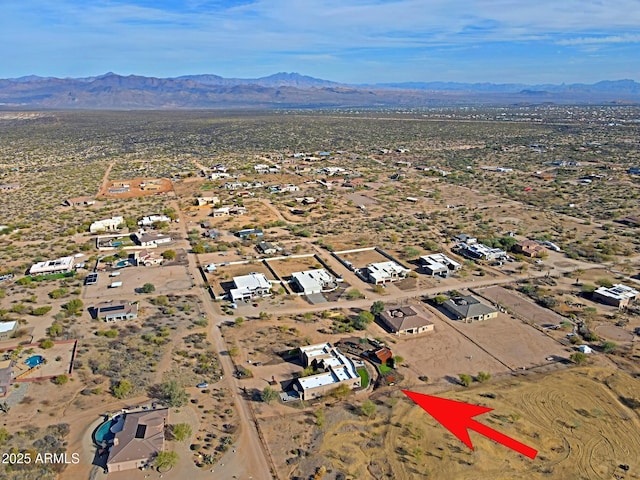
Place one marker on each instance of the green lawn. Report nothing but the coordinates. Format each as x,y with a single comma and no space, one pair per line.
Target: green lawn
384,368
364,375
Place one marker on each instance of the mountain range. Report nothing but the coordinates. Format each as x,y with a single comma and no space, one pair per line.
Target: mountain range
289,90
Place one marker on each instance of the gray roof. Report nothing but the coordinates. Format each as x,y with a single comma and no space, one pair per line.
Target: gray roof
467,307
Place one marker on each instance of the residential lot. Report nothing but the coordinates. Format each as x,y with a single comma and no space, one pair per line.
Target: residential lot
521,306
514,343
166,279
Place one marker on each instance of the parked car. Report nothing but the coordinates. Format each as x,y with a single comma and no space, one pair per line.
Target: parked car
202,385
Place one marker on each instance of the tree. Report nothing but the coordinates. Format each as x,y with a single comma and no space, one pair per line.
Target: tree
354,294
166,460
148,288
483,377
61,379
397,360
319,414
47,343
578,358
181,431
363,319
169,254
440,299
40,311
55,330
74,307
377,308
368,408
173,394
268,395
465,379
122,389
609,347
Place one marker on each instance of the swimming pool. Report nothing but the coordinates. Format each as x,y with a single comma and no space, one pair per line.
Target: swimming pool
122,263
34,361
103,433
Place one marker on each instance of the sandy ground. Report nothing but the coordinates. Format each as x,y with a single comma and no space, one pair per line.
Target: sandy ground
164,185
573,418
525,308
166,279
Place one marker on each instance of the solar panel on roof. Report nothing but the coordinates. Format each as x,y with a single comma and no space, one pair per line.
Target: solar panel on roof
112,308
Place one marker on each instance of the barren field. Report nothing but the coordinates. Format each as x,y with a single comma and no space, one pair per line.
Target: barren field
524,308
284,268
579,421
514,343
362,259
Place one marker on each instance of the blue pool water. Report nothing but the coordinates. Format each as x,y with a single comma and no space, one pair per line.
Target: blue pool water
122,263
34,361
103,433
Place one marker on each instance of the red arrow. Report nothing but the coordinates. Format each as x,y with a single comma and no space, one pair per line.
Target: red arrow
457,417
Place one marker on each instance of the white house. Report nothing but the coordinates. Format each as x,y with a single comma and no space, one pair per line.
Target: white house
248,287
384,272
439,264
201,201
108,225
151,239
151,219
314,281
59,265
218,175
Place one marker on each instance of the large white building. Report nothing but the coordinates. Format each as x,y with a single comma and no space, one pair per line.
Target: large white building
385,272
108,225
60,265
314,281
248,287
336,369
439,264
151,219
479,251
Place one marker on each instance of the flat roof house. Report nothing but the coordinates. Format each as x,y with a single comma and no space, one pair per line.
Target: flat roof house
479,251
314,281
248,232
59,265
529,248
151,219
619,295
108,225
336,369
115,310
384,272
79,201
151,239
139,441
439,264
250,286
406,321
7,329
468,308
266,248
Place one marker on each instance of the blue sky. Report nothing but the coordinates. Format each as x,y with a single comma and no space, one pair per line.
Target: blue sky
354,41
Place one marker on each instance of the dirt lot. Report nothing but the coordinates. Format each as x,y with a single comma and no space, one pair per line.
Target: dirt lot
222,279
362,259
521,306
441,355
284,268
153,186
574,418
513,342
166,279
